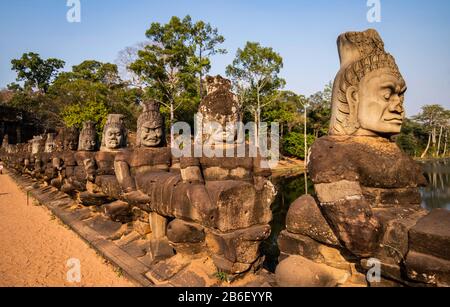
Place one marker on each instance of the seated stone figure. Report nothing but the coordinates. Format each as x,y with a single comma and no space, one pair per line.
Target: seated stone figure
34,160
151,156
63,159
232,192
367,188
81,163
145,166
102,185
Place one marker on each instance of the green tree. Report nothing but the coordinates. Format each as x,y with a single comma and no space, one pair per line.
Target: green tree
92,90
205,39
319,111
36,73
413,138
432,117
166,65
294,144
286,110
255,74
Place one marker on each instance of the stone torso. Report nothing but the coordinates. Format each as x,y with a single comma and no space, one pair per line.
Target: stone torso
228,168
105,162
387,176
143,160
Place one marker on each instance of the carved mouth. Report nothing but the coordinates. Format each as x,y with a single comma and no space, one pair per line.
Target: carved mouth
394,120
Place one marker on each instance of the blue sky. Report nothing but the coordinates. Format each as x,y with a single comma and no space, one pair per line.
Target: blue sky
304,32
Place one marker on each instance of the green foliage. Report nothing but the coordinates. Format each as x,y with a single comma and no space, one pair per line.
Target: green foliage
255,75
222,276
92,90
166,64
36,73
257,68
75,115
285,109
319,111
435,120
294,144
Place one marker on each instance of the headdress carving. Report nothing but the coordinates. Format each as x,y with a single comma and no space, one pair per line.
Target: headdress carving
151,113
220,104
115,121
360,53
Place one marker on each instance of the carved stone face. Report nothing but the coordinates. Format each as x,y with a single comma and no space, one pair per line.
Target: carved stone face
378,103
35,147
88,143
217,133
70,144
151,134
50,146
113,138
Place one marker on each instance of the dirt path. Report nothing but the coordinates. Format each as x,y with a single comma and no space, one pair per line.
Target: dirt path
35,248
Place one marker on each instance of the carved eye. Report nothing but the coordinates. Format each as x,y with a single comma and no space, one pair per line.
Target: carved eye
388,95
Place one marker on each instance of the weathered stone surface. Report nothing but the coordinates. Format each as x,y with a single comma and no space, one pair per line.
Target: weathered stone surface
90,199
297,271
160,249
431,235
165,270
143,228
298,245
136,248
103,226
337,191
304,217
139,214
334,257
189,248
428,269
118,211
229,267
294,244
388,270
394,244
238,246
179,231
236,205
355,225
81,213
403,197
365,160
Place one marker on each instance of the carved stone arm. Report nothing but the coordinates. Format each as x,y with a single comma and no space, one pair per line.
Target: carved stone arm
350,215
123,175
90,168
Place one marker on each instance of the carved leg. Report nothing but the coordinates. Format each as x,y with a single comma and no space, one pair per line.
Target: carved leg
159,244
158,224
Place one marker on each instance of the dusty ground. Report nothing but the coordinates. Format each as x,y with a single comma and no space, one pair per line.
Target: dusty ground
35,247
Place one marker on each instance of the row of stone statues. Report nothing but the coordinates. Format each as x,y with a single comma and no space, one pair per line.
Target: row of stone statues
227,198
366,206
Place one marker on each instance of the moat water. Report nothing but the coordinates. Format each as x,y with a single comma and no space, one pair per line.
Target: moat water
435,195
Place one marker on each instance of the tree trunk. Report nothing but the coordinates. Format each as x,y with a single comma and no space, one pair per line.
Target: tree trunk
306,154
446,142
257,119
426,149
433,137
439,142
172,118
201,77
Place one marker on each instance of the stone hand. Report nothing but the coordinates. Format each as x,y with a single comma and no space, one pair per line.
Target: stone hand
136,197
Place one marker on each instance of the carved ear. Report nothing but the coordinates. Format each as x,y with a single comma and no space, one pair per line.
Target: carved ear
353,103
